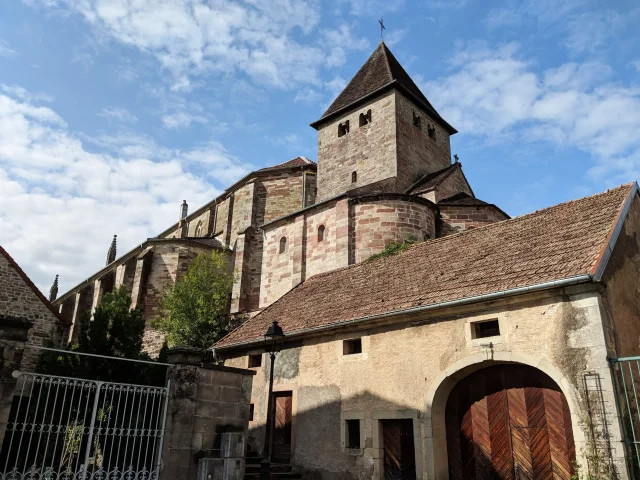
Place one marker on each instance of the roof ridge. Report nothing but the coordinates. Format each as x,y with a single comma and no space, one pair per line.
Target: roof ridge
32,285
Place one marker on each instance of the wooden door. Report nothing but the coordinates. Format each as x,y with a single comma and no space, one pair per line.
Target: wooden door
282,429
509,422
399,452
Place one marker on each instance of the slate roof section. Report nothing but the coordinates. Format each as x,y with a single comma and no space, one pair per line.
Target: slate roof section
560,242
296,162
32,286
432,180
463,199
381,70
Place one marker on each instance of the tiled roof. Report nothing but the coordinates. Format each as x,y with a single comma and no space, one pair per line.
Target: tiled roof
556,243
32,286
380,70
296,162
432,180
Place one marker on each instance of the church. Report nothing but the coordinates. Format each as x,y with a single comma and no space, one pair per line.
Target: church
490,348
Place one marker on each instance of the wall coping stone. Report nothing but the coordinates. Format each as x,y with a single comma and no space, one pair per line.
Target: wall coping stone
222,368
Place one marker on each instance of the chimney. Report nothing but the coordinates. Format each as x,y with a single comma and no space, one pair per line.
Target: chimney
53,292
182,224
111,254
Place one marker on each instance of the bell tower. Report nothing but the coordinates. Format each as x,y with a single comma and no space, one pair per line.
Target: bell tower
380,134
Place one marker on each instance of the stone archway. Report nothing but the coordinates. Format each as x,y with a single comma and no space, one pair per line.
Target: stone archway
436,465
509,422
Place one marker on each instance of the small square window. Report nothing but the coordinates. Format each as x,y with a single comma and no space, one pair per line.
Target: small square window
251,410
352,433
490,328
351,347
255,361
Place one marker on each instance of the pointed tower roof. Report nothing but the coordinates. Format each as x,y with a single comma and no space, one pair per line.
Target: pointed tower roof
380,72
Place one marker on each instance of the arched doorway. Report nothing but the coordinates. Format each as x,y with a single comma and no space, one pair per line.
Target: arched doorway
509,422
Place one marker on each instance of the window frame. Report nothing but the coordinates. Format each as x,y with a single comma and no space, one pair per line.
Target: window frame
282,248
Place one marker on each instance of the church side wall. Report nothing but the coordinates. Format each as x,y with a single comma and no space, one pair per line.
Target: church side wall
458,218
379,222
242,213
405,369
280,194
322,254
370,150
278,268
418,153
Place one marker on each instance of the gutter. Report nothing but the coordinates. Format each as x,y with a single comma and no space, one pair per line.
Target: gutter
565,282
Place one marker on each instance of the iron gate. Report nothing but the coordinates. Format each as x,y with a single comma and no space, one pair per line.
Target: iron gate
64,428
626,378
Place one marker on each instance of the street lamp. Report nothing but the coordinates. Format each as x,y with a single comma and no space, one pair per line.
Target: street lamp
272,339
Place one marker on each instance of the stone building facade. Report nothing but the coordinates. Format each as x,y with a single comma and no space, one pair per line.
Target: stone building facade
482,351
384,166
21,301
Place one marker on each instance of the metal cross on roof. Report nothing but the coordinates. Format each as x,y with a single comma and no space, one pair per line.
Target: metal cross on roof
381,22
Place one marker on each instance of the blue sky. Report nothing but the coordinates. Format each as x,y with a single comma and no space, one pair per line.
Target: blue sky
113,111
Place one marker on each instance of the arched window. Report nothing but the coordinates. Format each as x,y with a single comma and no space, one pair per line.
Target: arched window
199,229
283,244
354,177
322,233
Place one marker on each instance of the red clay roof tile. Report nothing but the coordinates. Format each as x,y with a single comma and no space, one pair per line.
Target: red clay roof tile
555,243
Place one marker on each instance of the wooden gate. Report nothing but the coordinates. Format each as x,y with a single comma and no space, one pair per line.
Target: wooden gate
509,422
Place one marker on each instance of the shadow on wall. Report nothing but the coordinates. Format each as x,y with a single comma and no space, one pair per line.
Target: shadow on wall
365,436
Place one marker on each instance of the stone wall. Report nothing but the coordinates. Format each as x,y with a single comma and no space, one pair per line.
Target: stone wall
370,150
19,301
279,194
380,220
452,185
458,218
13,335
205,401
418,152
408,366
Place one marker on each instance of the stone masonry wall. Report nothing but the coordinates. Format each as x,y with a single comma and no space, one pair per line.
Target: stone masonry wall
277,268
279,194
242,213
18,300
458,218
204,402
222,219
321,254
418,153
370,150
379,222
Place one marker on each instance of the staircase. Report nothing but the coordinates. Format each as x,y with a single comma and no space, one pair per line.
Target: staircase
278,470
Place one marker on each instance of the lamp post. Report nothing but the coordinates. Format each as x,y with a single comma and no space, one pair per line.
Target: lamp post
272,339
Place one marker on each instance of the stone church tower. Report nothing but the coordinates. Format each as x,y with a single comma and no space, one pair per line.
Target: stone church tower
384,174
381,133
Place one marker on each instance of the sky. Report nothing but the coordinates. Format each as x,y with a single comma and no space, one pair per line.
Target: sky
114,111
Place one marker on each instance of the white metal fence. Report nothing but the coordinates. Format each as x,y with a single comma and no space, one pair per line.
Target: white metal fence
64,428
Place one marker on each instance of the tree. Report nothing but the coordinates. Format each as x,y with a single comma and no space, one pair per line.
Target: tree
194,313
115,331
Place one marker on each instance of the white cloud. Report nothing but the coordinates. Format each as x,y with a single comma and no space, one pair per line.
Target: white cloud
395,36
493,93
635,65
63,196
180,120
5,50
271,42
24,94
592,30
118,113
446,4
308,95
